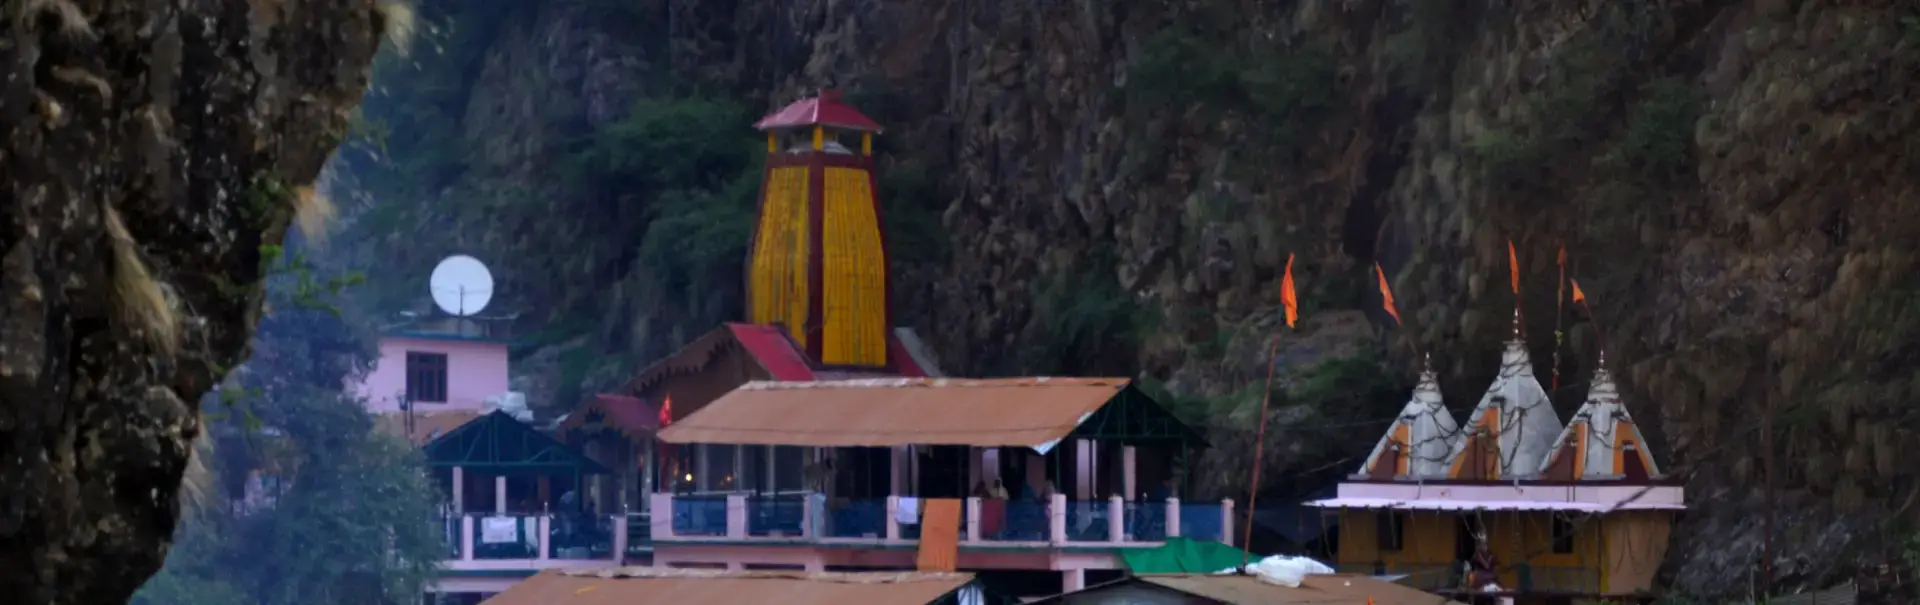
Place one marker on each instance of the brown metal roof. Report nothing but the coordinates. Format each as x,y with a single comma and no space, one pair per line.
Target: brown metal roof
661,586
426,425
1330,589
1015,412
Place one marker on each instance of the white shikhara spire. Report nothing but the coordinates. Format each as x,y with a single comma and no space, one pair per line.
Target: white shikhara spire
1512,430
1423,441
1601,441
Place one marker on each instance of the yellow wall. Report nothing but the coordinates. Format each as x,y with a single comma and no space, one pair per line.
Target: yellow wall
855,284
1635,545
778,273
1427,539
1599,556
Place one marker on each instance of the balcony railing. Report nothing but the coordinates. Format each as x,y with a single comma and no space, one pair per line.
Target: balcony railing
815,518
533,540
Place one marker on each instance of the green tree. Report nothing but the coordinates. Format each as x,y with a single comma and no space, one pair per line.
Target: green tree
351,525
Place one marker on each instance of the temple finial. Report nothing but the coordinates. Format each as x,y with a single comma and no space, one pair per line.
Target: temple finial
1516,322
1426,362
1603,359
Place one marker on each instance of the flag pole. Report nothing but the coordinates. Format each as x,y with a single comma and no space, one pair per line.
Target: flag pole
1291,308
1559,311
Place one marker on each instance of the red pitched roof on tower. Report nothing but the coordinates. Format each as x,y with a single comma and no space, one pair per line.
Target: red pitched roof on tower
824,110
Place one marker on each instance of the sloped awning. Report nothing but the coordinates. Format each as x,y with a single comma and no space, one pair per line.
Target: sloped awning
880,412
631,416
498,444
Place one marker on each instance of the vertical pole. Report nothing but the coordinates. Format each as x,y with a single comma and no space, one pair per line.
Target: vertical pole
1259,440
1766,543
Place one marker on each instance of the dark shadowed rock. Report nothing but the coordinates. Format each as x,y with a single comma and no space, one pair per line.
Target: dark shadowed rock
155,152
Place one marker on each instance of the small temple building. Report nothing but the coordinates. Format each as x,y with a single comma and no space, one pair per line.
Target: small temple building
1513,503
816,436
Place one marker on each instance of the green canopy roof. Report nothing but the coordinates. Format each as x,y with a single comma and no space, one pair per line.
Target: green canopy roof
1183,556
498,444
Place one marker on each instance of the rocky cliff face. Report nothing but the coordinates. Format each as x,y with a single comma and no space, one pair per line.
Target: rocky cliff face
1118,186
153,153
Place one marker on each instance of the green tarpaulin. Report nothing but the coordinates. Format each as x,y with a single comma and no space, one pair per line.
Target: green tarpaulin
1184,555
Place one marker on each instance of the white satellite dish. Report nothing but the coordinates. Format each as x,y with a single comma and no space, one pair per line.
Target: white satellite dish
461,285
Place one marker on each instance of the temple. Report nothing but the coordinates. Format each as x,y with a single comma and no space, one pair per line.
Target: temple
1511,504
1514,425
818,263
816,436
1602,443
1423,441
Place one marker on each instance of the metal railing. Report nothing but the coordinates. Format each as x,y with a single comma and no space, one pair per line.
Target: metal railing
1053,521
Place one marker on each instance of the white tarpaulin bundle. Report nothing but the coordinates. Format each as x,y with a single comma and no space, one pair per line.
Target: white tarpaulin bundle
1283,570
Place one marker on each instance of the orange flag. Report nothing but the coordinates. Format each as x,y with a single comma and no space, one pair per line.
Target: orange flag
1286,294
1513,266
1578,296
1386,294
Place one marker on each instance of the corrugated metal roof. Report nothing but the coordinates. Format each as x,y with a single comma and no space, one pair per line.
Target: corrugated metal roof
427,426
1330,589
1015,412
657,586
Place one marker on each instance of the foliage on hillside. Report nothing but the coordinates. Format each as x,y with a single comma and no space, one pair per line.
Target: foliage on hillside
615,243
347,524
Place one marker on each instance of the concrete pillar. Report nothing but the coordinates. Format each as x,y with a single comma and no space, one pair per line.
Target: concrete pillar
660,523
1117,519
1226,521
1173,517
1073,580
500,495
647,466
545,527
620,538
1130,483
973,467
1057,519
736,516
466,538
897,473
893,525
973,519
702,473
459,490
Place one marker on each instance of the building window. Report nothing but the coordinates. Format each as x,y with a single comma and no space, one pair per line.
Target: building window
1391,528
427,377
1563,531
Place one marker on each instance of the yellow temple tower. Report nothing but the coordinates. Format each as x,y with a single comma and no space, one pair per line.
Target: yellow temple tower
818,263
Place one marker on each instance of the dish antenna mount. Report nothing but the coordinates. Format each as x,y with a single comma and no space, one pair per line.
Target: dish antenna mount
461,285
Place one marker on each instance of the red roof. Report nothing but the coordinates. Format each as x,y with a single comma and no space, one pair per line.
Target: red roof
769,346
824,110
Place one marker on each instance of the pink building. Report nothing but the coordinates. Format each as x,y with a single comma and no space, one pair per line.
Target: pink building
436,372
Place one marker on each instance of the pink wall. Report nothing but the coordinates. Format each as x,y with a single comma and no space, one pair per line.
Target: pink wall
476,370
